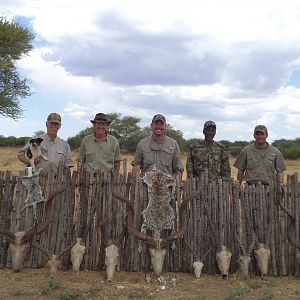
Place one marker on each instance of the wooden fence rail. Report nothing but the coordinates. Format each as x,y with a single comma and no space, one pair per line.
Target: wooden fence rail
231,206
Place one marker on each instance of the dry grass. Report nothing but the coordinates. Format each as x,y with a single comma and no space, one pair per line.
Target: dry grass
9,162
35,284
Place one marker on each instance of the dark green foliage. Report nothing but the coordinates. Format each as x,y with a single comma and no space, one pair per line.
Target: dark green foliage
289,148
12,141
15,42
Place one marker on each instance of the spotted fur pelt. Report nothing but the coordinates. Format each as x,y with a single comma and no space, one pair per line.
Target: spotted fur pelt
159,214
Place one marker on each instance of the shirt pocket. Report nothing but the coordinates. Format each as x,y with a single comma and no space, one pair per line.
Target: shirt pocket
167,156
269,162
252,163
61,156
148,157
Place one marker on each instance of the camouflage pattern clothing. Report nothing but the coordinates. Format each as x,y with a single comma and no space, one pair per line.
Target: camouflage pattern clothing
210,156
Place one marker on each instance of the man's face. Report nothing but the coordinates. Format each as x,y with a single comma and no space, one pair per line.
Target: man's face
158,128
260,137
100,127
209,133
52,128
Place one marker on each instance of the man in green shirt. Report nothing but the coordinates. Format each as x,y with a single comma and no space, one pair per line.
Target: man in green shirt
100,151
208,156
258,162
158,151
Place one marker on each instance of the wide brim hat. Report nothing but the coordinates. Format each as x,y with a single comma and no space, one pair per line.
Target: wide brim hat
101,117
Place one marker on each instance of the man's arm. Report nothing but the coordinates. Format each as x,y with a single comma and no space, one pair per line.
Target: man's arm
189,165
179,177
117,168
21,155
23,159
135,170
240,175
225,166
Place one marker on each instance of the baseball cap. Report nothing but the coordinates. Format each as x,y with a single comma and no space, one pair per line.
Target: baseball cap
208,124
261,128
159,117
54,118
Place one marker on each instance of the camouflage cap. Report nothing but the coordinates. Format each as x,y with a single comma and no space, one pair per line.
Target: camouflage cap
54,118
159,117
261,128
208,124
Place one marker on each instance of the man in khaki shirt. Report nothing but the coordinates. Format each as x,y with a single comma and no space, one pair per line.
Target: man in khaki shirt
158,151
258,162
54,148
100,151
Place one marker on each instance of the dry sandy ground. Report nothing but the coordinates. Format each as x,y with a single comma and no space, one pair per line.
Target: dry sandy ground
36,284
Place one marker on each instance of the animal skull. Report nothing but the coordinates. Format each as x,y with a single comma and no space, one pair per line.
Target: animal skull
198,266
54,264
111,260
157,259
244,261
18,251
77,253
223,260
262,255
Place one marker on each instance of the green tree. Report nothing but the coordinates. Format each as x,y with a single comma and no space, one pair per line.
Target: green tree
15,42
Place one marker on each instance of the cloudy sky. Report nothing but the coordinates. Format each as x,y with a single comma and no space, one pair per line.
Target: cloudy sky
234,62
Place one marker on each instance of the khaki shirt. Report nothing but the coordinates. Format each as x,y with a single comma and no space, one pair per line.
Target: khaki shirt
260,164
97,155
55,150
164,157
208,156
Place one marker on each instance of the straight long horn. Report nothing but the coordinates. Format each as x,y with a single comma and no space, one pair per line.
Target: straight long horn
241,245
252,245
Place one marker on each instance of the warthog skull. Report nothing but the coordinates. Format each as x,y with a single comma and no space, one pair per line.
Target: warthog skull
223,260
18,251
157,259
198,266
77,253
262,255
111,260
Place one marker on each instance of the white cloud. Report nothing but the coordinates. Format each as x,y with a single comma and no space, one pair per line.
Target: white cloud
190,60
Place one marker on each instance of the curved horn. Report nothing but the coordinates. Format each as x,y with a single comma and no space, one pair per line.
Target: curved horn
205,254
10,236
62,252
183,221
49,212
139,235
44,251
291,233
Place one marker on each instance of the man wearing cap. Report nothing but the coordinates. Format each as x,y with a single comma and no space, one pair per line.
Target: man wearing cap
158,151
100,151
259,161
54,148
208,156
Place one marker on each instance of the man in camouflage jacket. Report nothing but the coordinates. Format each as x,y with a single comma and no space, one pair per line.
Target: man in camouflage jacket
208,155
